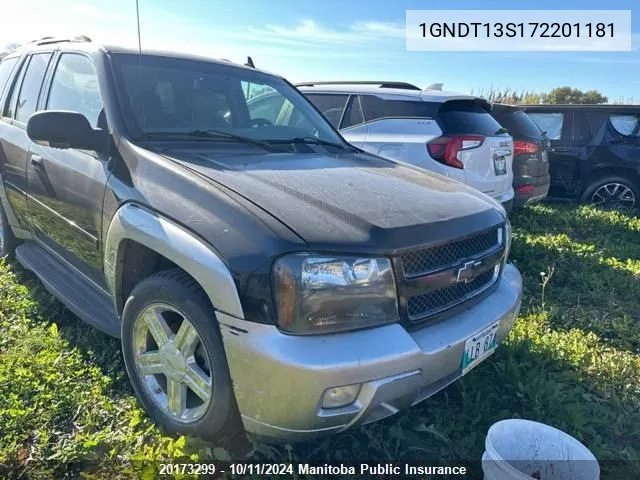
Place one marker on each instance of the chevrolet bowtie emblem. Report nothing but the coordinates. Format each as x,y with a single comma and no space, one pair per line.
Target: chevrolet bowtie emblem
467,272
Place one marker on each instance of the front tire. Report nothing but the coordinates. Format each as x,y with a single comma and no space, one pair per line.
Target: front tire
175,357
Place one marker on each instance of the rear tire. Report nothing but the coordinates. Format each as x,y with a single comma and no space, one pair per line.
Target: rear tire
175,358
613,192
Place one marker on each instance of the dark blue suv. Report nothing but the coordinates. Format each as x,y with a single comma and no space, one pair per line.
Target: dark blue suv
595,152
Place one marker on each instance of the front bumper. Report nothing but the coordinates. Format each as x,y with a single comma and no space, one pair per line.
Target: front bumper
279,379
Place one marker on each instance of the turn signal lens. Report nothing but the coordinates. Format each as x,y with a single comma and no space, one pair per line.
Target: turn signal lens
507,240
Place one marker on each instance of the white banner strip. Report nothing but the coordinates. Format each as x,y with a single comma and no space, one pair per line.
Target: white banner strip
509,30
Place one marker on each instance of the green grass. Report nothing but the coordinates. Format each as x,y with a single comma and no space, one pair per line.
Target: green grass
572,360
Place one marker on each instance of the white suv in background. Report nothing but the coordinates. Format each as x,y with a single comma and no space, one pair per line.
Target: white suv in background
448,133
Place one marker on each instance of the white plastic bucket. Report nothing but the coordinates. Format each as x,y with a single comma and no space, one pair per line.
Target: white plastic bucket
522,450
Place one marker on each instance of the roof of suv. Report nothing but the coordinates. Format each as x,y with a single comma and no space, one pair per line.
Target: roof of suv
180,55
86,44
427,95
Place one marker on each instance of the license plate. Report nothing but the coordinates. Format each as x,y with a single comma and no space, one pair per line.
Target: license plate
500,165
479,347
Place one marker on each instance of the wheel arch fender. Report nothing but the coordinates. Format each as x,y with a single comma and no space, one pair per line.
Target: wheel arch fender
8,208
605,170
177,244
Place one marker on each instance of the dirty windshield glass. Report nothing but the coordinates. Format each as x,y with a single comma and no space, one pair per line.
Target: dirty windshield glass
173,96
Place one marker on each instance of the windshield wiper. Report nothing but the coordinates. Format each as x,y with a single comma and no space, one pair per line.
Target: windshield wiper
312,141
501,130
209,133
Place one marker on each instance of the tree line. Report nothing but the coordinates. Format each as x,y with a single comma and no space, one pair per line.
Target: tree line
559,95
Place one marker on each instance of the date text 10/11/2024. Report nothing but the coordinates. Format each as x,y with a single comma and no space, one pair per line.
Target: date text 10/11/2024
516,30
285,469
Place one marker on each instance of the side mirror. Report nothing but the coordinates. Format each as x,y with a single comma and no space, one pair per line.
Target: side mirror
62,129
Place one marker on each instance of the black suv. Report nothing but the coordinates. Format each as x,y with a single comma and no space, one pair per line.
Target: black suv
595,152
260,274
530,154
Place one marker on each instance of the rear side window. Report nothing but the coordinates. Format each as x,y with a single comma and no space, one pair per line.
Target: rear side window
75,87
353,115
13,88
331,106
6,67
30,88
551,123
376,107
581,130
465,117
518,122
626,125
595,120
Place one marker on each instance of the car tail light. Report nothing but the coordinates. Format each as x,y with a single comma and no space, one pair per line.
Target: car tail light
525,189
445,149
524,148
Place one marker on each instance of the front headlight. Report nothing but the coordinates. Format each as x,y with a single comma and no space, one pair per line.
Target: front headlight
507,240
321,294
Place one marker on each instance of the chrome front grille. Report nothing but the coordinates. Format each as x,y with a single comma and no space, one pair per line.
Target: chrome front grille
434,302
433,280
426,260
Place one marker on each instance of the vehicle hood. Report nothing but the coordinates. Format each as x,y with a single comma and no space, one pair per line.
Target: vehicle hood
349,201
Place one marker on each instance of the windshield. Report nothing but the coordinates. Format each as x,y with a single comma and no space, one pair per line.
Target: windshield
180,98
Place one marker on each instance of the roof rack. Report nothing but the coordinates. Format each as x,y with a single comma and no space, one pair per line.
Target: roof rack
400,85
50,40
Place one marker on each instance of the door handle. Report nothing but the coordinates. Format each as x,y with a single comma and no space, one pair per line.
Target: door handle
559,149
36,162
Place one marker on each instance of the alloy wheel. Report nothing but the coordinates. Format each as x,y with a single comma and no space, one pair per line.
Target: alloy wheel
172,362
614,195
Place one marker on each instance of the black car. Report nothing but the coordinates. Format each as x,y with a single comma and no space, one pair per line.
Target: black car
262,274
530,159
595,152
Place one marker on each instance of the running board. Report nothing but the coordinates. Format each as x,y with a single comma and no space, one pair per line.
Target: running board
70,287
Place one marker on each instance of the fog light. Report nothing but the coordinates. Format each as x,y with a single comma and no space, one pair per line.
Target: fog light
340,396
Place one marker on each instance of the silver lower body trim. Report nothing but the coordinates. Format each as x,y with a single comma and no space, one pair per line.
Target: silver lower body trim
279,379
